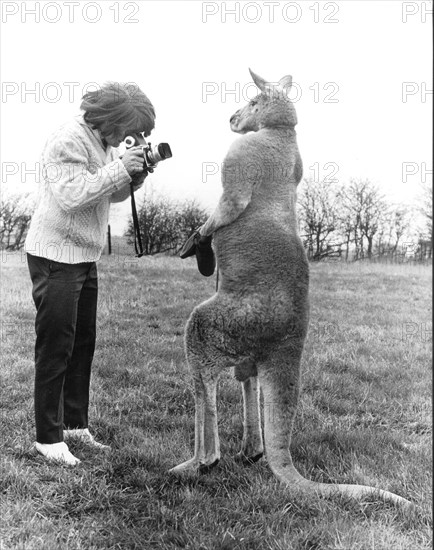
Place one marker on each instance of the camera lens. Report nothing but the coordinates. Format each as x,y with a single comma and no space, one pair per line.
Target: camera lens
164,151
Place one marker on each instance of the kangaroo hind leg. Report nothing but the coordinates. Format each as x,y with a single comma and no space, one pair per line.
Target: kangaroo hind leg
206,363
207,445
279,378
252,448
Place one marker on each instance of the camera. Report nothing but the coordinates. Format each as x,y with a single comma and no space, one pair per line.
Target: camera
152,155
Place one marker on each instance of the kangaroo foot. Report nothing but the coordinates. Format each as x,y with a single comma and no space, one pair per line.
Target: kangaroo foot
205,468
248,460
193,466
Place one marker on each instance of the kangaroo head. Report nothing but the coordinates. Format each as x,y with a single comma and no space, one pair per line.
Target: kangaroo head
270,109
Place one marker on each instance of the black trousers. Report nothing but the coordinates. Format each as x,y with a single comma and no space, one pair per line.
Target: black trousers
65,296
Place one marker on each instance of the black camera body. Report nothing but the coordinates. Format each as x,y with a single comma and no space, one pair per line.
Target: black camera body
152,155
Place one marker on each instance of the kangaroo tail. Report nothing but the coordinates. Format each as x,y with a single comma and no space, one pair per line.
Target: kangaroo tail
287,474
280,387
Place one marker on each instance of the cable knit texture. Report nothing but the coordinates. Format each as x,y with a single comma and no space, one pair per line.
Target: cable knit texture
79,180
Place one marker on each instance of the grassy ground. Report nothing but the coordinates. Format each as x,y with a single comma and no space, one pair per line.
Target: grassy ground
364,417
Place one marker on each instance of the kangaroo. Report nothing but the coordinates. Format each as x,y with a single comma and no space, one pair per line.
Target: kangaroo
257,321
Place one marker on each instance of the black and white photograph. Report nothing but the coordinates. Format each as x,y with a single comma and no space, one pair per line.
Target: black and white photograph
216,275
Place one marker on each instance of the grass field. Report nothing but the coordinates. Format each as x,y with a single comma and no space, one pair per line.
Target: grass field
364,417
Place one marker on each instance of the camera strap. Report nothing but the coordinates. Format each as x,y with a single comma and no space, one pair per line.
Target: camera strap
137,237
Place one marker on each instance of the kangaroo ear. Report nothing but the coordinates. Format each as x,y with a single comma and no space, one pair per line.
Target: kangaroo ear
260,82
285,83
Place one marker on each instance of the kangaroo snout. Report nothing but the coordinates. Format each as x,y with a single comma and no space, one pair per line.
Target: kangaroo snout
234,121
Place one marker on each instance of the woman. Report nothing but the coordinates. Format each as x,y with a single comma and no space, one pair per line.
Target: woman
82,175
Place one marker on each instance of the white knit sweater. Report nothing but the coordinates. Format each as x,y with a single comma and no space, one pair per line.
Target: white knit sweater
79,179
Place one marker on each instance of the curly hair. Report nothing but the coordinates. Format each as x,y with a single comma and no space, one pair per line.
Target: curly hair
118,107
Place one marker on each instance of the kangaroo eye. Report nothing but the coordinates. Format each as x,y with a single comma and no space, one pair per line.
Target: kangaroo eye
253,102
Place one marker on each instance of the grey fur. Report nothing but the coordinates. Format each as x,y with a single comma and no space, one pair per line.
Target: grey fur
257,321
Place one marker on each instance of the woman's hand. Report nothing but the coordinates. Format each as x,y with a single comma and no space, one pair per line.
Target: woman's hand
138,179
133,160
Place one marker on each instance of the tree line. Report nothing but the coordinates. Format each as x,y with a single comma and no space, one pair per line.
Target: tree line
354,221
351,221
165,224
15,216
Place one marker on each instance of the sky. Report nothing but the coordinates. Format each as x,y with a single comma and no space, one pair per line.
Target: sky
361,71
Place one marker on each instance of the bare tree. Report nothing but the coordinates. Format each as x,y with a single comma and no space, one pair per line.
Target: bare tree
156,217
393,227
426,207
348,220
15,216
318,213
400,223
424,251
190,217
165,224
363,211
